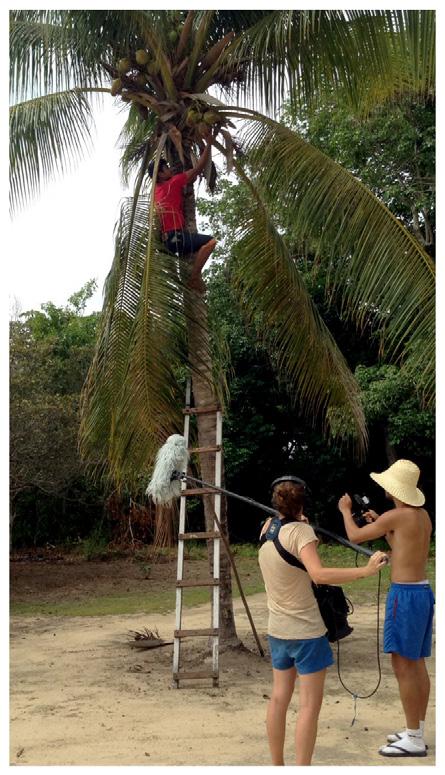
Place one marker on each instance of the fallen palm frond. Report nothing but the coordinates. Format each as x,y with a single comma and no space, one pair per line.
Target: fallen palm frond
147,639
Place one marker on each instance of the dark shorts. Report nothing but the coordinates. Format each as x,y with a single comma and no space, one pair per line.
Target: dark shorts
409,620
307,656
185,242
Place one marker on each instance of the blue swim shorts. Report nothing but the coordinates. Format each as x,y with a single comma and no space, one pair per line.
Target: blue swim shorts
409,620
308,656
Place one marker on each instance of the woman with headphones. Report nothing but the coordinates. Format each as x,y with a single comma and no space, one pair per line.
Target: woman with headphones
296,631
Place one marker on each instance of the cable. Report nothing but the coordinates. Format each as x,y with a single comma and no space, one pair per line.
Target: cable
354,694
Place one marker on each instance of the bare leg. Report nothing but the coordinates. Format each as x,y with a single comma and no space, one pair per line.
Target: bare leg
414,688
201,258
311,697
424,686
282,690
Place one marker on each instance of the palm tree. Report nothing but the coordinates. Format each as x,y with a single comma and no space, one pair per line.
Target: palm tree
175,73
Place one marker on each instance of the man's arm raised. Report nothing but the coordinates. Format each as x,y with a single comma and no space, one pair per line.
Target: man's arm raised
202,161
378,529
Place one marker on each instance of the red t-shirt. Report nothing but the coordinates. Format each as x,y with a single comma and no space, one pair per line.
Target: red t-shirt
169,197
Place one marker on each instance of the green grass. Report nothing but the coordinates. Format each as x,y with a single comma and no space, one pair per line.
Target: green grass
132,603
104,605
160,598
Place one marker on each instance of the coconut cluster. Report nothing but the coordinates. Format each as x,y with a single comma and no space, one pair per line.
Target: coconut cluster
133,73
167,81
199,118
138,78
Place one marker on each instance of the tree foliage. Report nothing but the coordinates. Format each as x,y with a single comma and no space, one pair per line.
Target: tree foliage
164,69
50,351
401,173
266,434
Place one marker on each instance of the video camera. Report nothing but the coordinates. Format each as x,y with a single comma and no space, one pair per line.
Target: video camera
363,504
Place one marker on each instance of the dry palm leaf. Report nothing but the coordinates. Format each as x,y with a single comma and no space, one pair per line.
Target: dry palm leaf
146,639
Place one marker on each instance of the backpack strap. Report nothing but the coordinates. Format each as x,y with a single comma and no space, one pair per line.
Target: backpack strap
287,556
271,534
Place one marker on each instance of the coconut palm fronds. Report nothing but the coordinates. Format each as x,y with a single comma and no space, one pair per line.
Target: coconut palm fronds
377,269
51,134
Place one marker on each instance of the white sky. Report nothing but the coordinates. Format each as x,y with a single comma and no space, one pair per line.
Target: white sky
64,237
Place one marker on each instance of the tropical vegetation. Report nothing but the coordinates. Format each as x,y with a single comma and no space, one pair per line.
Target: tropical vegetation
175,74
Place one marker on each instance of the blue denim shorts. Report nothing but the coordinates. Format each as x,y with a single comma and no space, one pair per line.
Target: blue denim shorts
184,242
307,656
409,620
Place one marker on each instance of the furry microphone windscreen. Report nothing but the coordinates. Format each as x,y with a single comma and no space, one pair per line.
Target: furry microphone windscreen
172,456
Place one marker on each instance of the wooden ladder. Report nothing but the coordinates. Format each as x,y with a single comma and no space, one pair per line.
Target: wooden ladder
213,583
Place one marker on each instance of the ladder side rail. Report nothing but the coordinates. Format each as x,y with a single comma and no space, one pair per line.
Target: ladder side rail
180,562
217,544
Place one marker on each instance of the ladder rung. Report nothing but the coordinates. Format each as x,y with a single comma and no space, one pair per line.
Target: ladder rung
193,536
197,674
215,448
202,409
186,633
203,583
199,491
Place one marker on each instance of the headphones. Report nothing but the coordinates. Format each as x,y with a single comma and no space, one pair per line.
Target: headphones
289,478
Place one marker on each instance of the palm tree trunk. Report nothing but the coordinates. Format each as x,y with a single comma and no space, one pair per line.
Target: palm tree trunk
204,395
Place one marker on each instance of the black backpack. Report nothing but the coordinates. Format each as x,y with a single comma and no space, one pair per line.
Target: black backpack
334,606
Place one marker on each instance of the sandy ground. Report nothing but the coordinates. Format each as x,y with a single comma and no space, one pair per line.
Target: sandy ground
80,695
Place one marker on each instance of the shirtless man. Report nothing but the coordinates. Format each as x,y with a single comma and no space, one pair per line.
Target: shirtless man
410,602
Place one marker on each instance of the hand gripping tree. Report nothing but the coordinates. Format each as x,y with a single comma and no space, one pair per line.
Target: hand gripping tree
175,74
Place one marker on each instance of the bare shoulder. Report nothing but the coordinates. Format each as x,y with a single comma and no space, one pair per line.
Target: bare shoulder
406,516
415,512
393,515
425,516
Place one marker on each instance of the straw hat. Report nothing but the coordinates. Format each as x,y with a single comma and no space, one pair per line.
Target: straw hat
400,481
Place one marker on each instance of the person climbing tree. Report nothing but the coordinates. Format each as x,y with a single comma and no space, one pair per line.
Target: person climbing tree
169,201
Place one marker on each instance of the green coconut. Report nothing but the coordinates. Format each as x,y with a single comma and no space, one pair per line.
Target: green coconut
211,117
116,87
173,35
124,65
142,57
192,117
153,68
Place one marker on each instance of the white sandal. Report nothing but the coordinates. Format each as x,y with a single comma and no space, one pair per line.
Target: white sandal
403,748
396,736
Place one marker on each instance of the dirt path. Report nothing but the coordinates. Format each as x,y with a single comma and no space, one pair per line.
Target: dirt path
81,696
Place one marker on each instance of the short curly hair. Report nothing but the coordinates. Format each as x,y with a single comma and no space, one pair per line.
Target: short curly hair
288,498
